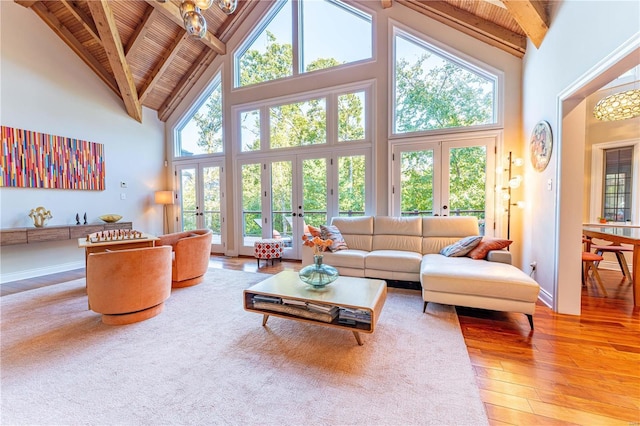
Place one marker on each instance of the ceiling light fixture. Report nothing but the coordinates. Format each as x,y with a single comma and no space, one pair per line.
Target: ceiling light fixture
618,106
191,12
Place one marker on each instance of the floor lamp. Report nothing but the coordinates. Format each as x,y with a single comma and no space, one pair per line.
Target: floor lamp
165,198
513,182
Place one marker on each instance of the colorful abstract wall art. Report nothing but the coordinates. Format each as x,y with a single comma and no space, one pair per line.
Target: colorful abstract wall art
38,160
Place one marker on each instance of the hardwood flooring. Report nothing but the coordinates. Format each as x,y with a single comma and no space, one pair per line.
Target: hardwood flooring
581,370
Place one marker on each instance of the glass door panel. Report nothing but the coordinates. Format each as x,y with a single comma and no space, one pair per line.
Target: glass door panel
351,185
188,198
467,187
416,179
282,184
251,206
313,206
212,195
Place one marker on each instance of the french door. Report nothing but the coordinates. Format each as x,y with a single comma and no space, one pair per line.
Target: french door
200,186
280,196
445,178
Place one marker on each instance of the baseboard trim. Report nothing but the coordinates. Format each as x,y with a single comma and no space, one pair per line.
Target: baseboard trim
38,272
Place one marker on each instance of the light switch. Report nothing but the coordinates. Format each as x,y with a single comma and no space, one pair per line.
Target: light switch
549,184
123,196
123,184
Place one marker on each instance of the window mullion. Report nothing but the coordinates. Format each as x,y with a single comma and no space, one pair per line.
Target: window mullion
296,35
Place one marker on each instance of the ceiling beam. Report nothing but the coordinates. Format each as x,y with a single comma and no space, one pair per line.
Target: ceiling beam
82,17
26,3
231,24
63,32
106,24
195,72
140,33
162,65
470,24
531,16
172,12
386,4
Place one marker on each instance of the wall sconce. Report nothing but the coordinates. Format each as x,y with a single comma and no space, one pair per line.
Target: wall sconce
165,198
513,182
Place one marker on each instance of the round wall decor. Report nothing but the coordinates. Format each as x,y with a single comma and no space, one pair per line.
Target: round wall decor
541,145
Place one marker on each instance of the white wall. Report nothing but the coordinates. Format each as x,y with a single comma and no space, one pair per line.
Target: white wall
581,35
46,88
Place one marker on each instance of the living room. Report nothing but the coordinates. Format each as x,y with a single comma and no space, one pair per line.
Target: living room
47,88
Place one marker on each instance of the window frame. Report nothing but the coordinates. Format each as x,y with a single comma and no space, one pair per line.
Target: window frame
597,178
216,80
330,95
296,28
463,60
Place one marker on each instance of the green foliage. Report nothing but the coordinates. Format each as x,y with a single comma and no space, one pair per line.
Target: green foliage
445,96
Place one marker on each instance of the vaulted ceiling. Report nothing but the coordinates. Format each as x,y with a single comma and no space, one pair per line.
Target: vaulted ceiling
142,52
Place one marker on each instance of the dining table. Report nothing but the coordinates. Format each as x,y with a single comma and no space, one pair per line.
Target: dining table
621,235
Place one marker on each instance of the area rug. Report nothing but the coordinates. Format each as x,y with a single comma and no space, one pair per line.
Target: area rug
205,360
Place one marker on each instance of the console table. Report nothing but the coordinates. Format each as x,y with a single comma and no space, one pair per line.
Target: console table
13,236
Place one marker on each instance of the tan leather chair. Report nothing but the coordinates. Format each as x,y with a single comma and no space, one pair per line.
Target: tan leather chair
128,286
191,253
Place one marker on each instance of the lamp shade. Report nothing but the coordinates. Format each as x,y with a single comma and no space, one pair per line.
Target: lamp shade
164,197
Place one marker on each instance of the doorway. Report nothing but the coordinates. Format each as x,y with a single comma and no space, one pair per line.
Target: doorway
201,199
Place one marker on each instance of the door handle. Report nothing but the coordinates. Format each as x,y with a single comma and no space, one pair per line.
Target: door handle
300,215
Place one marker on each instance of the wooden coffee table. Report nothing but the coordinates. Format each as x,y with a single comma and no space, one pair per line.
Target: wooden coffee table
356,303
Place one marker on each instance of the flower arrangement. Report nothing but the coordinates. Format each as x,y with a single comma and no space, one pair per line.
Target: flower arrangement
318,244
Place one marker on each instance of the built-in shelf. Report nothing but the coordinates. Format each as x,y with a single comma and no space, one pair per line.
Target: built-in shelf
14,236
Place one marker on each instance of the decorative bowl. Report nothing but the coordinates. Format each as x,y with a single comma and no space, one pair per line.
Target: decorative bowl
110,218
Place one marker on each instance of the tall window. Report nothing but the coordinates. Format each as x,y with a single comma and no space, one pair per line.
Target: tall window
268,53
298,124
618,184
201,132
434,90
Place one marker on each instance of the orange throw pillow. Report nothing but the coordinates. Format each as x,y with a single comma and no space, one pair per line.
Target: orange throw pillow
315,232
486,245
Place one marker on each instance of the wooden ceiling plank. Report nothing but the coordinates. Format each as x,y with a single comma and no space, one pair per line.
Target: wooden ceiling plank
106,24
162,65
82,17
195,72
141,31
63,32
386,4
470,24
172,12
531,16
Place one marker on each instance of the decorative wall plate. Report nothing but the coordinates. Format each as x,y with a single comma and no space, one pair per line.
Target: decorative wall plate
541,145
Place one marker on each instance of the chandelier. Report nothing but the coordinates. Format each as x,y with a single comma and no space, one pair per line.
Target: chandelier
194,22
618,106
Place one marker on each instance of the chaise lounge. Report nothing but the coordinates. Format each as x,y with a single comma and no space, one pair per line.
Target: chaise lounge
408,249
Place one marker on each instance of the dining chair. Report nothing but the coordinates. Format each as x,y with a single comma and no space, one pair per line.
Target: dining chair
588,261
619,251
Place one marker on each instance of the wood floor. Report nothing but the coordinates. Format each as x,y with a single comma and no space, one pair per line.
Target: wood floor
581,370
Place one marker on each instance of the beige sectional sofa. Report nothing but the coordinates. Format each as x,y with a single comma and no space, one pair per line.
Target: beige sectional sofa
407,249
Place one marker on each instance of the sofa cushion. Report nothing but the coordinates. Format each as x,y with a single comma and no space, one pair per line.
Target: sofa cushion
449,226
357,231
331,232
353,259
486,245
461,247
397,233
463,275
394,260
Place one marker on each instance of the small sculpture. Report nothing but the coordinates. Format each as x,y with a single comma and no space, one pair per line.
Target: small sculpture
85,218
40,216
77,219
